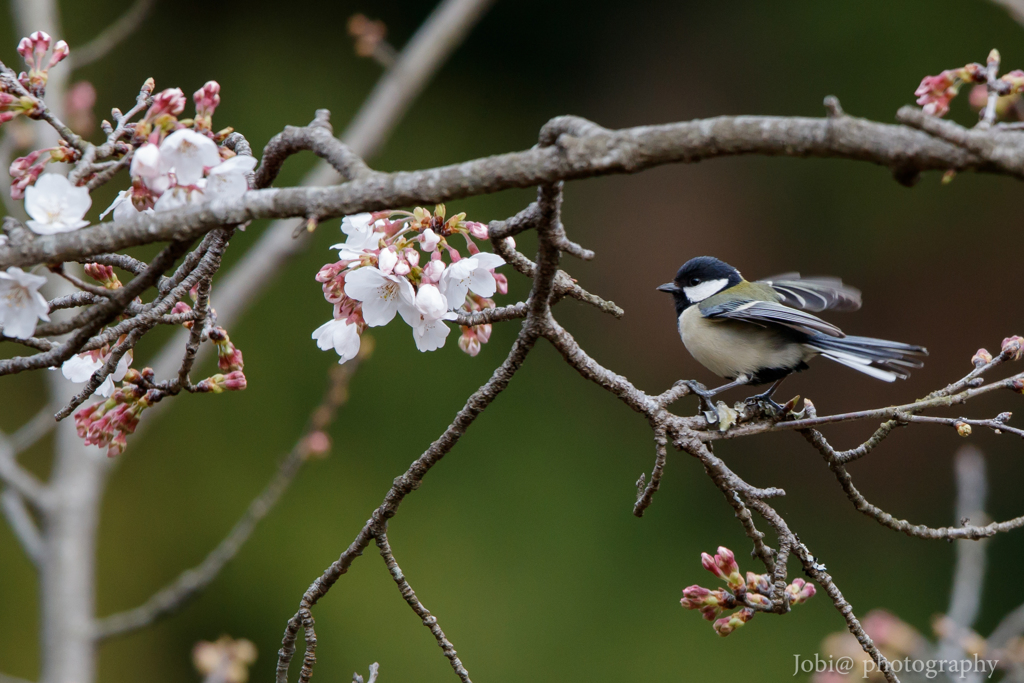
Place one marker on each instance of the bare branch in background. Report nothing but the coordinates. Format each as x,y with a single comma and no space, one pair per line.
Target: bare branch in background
312,443
112,36
1015,8
24,527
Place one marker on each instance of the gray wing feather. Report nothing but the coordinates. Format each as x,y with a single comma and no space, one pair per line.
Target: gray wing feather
769,312
818,293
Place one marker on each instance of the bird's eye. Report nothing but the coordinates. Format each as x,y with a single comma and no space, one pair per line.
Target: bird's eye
694,281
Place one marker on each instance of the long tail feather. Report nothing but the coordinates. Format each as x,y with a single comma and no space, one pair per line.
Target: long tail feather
879,358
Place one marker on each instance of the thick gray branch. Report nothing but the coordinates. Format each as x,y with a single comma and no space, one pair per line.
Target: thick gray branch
600,153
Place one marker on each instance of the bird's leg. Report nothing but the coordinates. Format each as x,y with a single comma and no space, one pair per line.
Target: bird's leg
766,397
707,405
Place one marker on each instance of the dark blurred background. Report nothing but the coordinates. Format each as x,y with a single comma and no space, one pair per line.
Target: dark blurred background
522,540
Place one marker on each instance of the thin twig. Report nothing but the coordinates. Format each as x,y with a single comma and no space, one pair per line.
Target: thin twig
429,620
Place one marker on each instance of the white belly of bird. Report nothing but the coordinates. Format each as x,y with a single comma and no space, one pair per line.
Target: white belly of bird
731,349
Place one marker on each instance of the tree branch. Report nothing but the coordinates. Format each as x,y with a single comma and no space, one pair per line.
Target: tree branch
112,36
600,153
193,581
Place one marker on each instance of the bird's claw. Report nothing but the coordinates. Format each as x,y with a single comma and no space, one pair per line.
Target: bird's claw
707,406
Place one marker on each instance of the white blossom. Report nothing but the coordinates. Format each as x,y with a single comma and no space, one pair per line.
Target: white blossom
473,273
123,207
56,205
361,236
340,335
188,153
426,317
80,368
178,197
229,180
21,304
430,240
381,294
387,260
149,164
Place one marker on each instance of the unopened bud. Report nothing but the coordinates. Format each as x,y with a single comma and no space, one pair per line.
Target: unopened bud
981,358
1013,347
963,429
993,57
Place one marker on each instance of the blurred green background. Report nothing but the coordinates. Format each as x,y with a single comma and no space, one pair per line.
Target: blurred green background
522,540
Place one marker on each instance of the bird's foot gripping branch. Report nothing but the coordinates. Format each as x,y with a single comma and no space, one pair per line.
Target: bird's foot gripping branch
192,188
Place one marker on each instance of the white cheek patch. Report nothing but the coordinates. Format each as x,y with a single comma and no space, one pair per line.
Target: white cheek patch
704,290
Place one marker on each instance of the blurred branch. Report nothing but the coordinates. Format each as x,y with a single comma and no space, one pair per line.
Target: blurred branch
191,582
23,482
1015,8
968,578
971,556
23,526
112,36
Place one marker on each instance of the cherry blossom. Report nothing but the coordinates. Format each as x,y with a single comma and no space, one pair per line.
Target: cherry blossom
123,207
380,294
188,153
148,164
178,197
470,273
362,236
228,180
339,335
56,205
21,304
80,368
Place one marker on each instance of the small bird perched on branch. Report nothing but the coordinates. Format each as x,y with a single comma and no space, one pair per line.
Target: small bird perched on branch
757,332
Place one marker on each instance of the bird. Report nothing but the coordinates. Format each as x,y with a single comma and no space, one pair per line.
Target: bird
755,333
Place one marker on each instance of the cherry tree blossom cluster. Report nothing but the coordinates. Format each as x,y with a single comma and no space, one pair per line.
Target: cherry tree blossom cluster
173,162
936,92
751,594
180,162
394,263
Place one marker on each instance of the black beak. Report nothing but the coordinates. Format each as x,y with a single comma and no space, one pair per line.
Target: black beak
669,287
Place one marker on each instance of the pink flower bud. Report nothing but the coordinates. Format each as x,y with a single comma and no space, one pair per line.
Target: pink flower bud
170,101
981,358
25,49
468,342
483,333
411,256
709,563
60,51
502,283
726,561
1013,347
694,597
477,230
727,625
800,591
233,381
207,99
102,274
